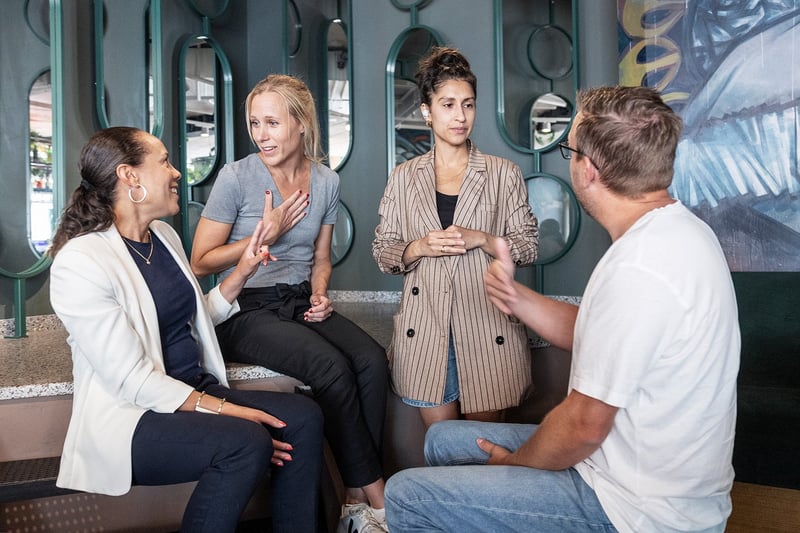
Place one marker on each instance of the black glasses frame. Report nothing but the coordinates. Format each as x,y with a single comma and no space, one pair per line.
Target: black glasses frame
566,152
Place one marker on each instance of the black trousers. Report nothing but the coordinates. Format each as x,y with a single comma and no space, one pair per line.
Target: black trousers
346,369
230,458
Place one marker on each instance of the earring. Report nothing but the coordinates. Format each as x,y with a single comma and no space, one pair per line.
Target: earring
427,116
130,194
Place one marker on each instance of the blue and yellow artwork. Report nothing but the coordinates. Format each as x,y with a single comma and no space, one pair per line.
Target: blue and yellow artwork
731,69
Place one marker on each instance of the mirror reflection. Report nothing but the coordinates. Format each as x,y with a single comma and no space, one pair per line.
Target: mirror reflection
550,52
40,170
534,56
550,117
412,135
339,136
201,130
342,239
556,208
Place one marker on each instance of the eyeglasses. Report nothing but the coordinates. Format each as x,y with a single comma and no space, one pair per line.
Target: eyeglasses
566,152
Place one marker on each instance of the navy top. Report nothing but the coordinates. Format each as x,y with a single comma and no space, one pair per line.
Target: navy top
446,205
175,305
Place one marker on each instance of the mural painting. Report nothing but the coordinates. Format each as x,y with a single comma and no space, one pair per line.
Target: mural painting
731,69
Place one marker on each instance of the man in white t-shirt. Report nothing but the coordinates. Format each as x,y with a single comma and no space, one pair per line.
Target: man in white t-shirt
644,439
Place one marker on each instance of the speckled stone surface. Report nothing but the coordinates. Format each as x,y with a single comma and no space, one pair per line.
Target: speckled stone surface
40,364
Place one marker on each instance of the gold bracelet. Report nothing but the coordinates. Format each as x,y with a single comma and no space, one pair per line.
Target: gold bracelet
200,409
221,403
199,399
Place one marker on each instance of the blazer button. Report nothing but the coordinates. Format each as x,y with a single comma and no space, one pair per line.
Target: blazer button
410,333
415,291
395,269
518,262
499,339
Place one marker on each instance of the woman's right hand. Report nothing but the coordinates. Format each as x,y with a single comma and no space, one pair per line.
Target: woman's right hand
285,216
436,243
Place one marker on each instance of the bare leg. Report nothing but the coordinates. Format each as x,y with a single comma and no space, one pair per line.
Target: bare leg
371,494
487,416
431,415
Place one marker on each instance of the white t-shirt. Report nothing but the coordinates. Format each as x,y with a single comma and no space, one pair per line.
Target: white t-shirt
657,336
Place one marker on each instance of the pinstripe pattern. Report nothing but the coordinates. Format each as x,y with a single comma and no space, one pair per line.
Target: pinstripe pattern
444,292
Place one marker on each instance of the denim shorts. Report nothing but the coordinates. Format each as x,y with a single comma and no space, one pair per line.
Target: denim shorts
451,392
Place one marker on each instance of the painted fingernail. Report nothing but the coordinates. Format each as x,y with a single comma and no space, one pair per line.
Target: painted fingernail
266,192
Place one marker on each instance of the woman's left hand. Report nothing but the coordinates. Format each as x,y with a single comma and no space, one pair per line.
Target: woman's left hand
477,239
280,452
321,308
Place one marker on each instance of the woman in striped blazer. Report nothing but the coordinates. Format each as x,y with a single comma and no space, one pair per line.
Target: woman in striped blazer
441,217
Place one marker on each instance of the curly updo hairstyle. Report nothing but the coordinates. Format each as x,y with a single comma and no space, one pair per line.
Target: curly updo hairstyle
440,65
91,206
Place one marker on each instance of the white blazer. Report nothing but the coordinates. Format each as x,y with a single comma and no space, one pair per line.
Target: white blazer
99,294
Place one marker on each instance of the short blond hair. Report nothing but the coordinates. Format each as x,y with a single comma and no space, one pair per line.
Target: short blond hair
631,135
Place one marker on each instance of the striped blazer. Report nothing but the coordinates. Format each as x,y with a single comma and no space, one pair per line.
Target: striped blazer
446,294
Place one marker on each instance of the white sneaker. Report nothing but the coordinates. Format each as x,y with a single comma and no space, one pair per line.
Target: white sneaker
359,518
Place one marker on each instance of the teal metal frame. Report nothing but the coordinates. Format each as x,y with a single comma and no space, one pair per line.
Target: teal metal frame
57,83
225,111
346,27
391,60
536,153
156,57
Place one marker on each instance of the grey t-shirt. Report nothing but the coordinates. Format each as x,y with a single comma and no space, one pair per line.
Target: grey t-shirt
238,198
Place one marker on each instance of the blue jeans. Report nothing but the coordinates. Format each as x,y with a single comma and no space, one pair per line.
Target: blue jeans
451,390
458,492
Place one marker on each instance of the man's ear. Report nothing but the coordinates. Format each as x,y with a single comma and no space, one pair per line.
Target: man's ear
590,172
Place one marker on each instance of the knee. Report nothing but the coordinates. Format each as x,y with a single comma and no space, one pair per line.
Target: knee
306,421
438,434
251,446
401,500
335,379
398,488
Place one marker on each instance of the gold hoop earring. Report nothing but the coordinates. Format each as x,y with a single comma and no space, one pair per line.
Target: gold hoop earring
130,194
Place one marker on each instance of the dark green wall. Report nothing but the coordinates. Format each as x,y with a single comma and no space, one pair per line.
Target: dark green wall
251,35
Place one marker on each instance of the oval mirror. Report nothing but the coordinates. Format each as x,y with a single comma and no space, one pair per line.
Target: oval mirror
556,207
294,29
40,163
339,100
209,8
200,82
550,52
342,239
409,136
534,55
37,16
549,120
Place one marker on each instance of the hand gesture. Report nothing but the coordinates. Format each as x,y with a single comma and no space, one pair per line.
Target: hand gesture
499,279
321,308
285,216
255,253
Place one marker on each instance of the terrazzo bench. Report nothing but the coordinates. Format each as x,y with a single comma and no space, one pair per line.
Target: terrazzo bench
35,406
